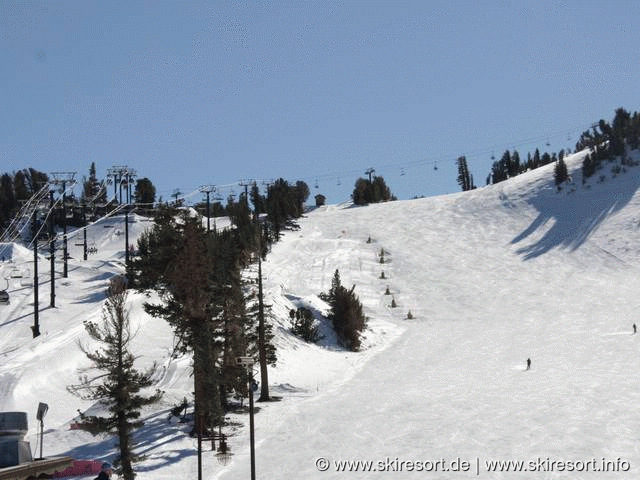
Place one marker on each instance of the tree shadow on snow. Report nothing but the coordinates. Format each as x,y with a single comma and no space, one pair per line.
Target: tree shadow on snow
577,215
150,443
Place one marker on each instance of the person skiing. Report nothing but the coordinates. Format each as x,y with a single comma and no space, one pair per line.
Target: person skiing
528,364
635,329
105,472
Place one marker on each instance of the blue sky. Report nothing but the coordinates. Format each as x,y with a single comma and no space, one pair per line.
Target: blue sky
193,93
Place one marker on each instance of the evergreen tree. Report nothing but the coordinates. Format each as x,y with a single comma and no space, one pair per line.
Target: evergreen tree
302,325
8,203
36,180
257,200
158,248
500,169
302,194
346,314
374,191
91,187
20,188
588,167
514,166
536,159
282,206
119,383
560,172
465,180
190,308
145,192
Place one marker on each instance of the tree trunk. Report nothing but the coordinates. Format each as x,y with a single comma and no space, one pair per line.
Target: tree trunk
199,390
262,348
125,449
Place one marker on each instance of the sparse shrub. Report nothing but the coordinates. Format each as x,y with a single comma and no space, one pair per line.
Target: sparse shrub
409,315
393,303
387,291
382,277
303,324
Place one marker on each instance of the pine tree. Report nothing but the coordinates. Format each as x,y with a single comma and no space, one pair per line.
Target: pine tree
588,167
374,191
190,308
560,172
8,202
536,159
514,166
145,192
346,314
465,179
119,383
20,186
302,325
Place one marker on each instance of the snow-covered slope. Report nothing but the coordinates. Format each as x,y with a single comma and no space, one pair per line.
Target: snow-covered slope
492,277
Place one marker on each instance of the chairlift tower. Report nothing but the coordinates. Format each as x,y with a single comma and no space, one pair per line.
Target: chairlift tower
62,179
176,194
116,174
208,189
36,310
246,184
130,174
52,253
370,171
120,174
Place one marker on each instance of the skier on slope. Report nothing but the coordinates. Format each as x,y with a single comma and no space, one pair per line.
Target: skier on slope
528,364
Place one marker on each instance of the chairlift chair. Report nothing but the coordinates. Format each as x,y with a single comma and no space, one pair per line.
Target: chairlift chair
4,295
435,165
15,273
26,280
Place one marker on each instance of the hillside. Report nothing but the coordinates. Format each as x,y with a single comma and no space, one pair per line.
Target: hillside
492,277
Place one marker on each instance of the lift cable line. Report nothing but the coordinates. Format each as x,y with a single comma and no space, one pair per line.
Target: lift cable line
432,161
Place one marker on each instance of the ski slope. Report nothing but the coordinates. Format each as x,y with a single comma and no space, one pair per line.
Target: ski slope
492,277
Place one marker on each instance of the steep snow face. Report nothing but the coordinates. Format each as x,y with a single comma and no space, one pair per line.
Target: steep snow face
492,277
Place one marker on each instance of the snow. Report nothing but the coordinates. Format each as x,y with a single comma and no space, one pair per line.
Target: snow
492,277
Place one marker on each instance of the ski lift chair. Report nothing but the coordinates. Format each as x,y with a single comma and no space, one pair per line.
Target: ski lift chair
4,297
26,280
15,273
